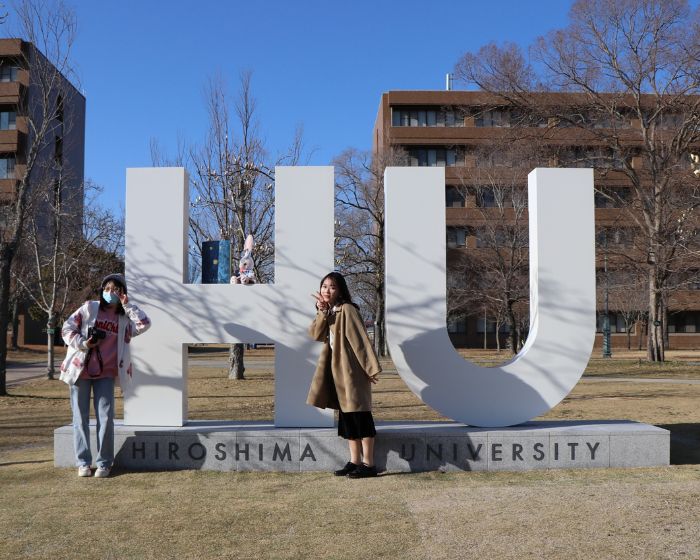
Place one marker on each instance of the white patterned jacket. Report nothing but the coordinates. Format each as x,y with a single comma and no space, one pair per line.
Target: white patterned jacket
74,333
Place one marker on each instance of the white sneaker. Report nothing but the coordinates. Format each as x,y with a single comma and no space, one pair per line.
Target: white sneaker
84,470
102,472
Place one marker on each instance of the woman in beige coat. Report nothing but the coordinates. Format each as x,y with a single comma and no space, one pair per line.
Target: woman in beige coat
346,370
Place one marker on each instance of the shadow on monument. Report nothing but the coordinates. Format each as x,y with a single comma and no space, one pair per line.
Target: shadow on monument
685,443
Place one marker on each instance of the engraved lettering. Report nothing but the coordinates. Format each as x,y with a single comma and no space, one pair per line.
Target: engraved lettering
246,452
221,455
539,454
282,454
308,452
593,449
496,452
517,450
474,452
141,449
429,450
190,451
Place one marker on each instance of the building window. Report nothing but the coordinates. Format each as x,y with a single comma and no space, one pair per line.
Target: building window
618,237
8,73
492,118
7,167
612,197
456,237
58,150
8,120
457,326
424,116
493,159
501,237
617,322
486,198
431,157
485,325
454,197
684,322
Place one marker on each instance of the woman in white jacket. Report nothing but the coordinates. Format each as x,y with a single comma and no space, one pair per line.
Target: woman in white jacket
98,336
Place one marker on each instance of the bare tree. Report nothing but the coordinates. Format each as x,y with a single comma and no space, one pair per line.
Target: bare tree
631,75
65,258
359,210
50,28
232,185
626,287
494,273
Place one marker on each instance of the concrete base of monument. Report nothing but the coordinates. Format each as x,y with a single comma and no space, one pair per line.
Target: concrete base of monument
400,446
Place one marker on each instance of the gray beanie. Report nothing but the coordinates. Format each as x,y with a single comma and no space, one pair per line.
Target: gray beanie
117,278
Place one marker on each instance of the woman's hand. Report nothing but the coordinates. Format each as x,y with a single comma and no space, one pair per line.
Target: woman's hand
373,380
321,304
124,299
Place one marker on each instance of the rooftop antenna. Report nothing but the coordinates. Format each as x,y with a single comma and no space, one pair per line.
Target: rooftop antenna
448,82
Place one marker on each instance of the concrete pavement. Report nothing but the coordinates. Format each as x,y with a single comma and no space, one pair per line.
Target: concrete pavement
21,372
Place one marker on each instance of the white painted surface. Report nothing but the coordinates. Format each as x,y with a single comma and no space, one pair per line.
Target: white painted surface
156,264
562,299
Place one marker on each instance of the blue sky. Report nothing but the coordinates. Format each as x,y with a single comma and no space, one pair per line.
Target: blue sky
143,66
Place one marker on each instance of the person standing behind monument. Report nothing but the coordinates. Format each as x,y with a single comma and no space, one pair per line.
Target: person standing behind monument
346,370
98,335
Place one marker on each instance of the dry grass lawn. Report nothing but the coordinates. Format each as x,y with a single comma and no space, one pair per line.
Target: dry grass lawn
609,513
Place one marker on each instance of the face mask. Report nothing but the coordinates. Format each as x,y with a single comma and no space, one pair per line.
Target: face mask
110,297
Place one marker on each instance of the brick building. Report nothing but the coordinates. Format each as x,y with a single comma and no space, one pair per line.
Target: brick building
469,133
60,156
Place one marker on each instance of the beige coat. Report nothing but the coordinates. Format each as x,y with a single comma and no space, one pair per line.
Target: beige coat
342,376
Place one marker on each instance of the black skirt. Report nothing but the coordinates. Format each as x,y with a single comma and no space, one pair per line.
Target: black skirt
356,425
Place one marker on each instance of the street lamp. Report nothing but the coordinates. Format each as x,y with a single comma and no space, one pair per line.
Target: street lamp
606,317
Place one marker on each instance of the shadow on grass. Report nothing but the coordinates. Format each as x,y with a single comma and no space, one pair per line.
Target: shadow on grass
11,463
37,397
623,396
265,396
382,474
685,443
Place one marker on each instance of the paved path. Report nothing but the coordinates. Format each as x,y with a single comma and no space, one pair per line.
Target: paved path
672,381
21,372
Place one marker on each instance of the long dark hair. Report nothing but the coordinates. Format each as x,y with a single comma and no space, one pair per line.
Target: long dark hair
344,296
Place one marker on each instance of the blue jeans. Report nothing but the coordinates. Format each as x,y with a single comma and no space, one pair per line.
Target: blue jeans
103,397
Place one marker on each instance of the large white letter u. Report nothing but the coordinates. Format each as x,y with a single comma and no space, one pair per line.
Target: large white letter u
562,299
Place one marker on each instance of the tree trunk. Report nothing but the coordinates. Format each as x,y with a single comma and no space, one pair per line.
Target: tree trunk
6,255
379,322
50,329
629,338
512,323
655,341
236,369
14,342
